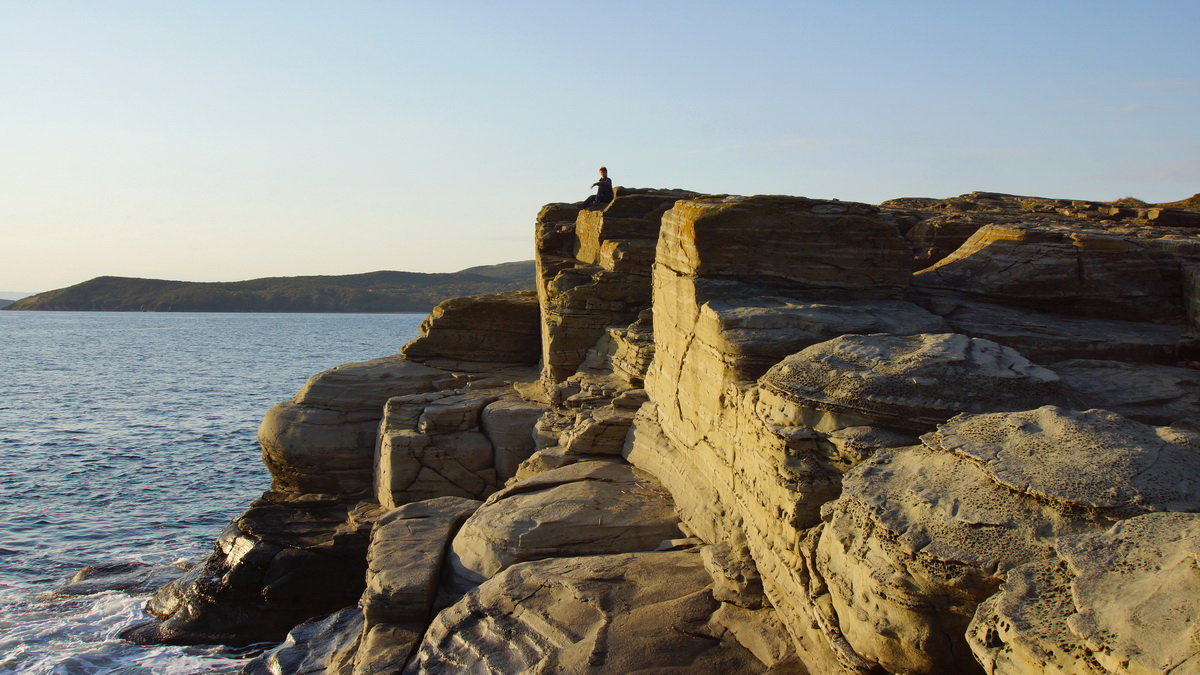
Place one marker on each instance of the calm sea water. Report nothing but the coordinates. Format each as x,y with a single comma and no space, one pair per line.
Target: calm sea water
130,437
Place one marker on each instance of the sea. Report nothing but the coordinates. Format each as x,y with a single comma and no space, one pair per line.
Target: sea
130,438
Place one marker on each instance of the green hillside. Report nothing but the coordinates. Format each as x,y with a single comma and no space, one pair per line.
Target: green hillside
372,292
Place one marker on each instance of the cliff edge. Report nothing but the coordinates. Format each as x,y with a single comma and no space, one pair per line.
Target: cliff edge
750,434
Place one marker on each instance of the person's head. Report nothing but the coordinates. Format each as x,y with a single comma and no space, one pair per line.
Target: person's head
603,171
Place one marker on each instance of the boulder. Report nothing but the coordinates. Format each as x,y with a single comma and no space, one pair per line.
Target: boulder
432,445
586,508
322,646
129,577
633,612
508,424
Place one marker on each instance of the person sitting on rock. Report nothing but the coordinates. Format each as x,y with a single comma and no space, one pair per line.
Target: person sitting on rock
604,191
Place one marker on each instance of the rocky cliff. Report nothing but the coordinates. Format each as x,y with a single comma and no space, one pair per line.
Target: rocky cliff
751,434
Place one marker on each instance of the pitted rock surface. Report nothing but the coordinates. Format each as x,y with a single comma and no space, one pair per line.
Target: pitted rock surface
911,382
1094,460
939,525
1121,601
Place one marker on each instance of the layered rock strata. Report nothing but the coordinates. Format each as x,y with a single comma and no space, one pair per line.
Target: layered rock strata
754,434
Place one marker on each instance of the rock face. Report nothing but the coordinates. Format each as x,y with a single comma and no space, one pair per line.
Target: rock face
1078,273
480,333
921,535
598,614
588,508
1119,601
323,440
594,271
280,563
755,441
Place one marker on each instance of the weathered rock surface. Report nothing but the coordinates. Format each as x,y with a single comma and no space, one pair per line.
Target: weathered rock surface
280,563
323,440
320,646
480,333
1077,273
588,508
404,568
717,466
921,535
638,612
1121,601
908,382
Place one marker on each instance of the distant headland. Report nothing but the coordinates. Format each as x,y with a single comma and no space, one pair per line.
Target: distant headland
384,291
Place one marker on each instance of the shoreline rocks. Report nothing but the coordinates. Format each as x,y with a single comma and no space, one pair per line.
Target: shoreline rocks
751,434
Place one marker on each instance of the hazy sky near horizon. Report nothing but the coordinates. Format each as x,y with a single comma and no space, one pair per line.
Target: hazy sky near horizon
217,141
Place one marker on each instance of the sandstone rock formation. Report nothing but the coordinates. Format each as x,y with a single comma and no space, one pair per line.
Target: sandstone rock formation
740,433
454,336
1124,600
588,508
601,614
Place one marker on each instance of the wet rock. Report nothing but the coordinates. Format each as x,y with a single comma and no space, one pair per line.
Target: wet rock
324,646
130,577
282,562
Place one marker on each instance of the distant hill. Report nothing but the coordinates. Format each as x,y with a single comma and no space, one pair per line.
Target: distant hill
5,303
372,292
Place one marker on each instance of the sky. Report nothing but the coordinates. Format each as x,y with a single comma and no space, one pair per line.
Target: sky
219,141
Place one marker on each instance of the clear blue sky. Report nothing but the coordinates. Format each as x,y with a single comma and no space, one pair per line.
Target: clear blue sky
230,140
